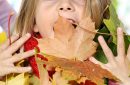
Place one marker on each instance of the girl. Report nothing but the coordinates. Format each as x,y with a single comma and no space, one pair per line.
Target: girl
40,16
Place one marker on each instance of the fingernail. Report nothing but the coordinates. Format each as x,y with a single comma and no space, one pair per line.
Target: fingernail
28,34
119,29
100,38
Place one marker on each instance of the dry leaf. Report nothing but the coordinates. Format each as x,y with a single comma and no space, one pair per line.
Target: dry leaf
21,79
70,43
44,76
59,80
81,69
63,30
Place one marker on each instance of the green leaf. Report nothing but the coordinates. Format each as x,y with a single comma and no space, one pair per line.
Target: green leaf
113,23
115,3
102,30
100,56
127,42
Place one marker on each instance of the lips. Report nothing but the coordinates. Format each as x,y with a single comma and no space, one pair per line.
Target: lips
73,22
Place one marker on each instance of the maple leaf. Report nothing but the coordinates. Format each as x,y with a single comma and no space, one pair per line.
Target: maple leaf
63,30
70,42
81,69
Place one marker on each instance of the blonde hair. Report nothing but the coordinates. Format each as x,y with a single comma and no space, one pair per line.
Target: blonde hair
26,18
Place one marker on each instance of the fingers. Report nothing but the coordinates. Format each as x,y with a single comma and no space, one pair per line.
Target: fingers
107,51
20,69
120,43
15,46
6,44
21,56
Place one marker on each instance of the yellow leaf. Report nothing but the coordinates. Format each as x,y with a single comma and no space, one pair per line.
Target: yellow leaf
21,79
3,37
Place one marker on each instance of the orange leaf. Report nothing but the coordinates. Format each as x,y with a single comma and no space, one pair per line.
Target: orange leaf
69,42
81,69
63,29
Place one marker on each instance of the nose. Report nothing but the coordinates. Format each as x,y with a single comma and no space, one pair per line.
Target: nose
66,5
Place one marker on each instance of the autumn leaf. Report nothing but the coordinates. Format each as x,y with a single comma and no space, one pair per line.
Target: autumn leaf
63,31
3,37
70,42
81,69
44,76
45,79
59,80
20,79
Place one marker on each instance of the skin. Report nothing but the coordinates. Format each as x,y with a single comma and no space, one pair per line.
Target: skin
117,65
8,58
48,12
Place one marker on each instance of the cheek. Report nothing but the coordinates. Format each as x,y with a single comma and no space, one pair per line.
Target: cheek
80,12
46,16
45,23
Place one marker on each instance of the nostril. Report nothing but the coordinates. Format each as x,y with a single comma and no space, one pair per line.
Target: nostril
69,8
61,8
65,8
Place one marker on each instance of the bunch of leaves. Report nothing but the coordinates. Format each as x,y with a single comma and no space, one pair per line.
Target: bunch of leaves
75,70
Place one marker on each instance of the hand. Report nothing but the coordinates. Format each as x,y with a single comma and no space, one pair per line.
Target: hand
117,65
8,58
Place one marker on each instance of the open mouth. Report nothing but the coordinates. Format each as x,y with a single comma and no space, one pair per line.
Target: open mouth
73,22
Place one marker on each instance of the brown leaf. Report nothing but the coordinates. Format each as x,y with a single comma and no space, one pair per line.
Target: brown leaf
70,43
81,69
63,30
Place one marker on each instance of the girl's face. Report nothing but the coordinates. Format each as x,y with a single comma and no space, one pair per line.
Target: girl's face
48,11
